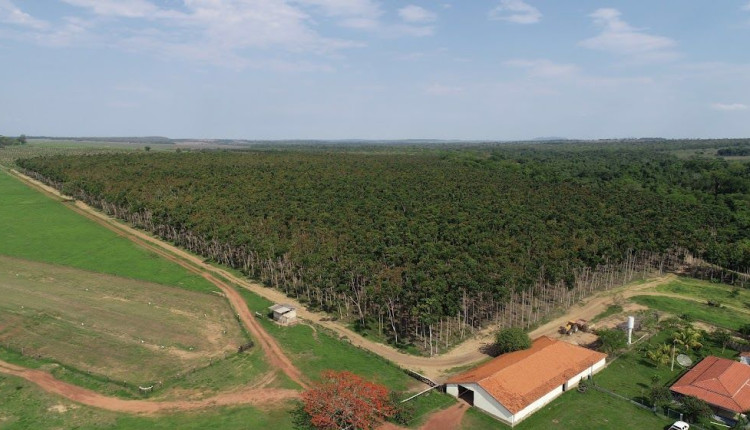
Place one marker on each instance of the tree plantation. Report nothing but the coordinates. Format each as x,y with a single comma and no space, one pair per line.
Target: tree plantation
423,245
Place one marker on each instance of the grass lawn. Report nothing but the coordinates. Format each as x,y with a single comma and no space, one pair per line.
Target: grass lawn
611,310
36,227
314,350
705,290
720,317
24,406
630,374
428,403
575,411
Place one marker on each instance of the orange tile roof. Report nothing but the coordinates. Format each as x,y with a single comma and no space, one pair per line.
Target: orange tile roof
520,378
719,382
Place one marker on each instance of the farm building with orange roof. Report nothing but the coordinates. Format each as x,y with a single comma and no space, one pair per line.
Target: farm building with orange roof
513,386
724,384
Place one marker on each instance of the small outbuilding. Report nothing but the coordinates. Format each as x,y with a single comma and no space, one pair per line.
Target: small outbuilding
284,314
745,357
513,386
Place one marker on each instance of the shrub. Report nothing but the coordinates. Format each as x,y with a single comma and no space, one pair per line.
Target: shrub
511,339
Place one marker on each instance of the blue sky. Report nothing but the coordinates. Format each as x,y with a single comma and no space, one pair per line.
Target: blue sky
375,69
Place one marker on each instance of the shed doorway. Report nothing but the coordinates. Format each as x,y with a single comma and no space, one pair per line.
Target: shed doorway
466,395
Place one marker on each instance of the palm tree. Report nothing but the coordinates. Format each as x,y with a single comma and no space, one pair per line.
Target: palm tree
659,354
688,338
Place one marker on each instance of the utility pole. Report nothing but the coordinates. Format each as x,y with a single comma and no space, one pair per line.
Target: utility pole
673,351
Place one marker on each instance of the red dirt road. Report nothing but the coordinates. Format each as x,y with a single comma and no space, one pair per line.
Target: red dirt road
90,398
273,351
447,419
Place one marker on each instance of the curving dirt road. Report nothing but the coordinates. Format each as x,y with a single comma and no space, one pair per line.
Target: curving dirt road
87,397
271,348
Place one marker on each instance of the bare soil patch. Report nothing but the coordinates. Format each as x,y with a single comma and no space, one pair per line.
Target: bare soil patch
117,327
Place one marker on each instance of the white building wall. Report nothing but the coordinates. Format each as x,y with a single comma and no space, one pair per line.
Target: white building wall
452,389
573,382
483,401
528,410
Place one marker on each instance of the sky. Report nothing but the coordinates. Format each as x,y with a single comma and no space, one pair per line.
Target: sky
375,69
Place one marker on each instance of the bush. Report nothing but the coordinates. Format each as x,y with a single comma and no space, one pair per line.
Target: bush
660,396
403,412
511,339
612,340
695,409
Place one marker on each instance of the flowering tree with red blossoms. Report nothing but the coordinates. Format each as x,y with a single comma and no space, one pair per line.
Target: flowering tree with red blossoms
343,400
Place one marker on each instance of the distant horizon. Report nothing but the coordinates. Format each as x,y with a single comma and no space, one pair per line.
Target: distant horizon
538,139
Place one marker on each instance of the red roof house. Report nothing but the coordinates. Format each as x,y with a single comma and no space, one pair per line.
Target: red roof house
722,383
514,385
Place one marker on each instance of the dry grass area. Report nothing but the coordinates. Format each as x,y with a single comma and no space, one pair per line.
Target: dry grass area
123,329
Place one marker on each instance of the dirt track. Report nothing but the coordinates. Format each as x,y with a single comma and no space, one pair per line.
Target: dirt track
432,367
447,419
90,398
273,351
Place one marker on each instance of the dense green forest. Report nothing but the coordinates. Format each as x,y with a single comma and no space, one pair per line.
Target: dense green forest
413,240
734,152
10,141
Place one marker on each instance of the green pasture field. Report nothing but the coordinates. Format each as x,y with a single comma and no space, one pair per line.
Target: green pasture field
24,406
39,228
314,350
719,317
704,290
111,326
576,411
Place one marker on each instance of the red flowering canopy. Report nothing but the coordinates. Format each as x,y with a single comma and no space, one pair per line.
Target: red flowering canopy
343,400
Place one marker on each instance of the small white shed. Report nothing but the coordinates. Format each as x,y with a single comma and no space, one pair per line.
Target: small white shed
284,314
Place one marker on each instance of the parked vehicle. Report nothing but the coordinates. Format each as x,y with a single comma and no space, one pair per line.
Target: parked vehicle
680,425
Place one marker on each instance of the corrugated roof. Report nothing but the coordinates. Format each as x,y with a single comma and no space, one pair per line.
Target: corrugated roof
719,382
519,378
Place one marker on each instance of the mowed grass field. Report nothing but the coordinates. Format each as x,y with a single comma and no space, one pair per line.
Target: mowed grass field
38,228
119,324
704,290
576,411
720,317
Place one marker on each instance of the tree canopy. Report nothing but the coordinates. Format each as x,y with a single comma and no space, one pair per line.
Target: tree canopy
423,242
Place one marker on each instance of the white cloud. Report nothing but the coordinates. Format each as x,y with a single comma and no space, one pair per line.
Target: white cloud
416,14
728,107
443,90
619,37
516,11
121,8
11,14
544,68
345,8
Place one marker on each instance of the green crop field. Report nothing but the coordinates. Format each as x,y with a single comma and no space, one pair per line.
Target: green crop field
57,312
36,227
719,317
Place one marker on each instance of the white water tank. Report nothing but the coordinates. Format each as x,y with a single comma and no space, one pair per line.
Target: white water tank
631,323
